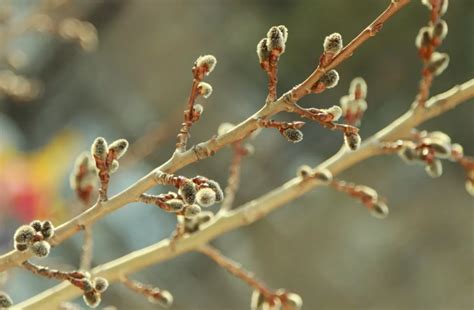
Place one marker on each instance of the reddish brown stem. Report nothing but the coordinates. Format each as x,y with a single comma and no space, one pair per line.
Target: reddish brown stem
304,88
366,195
183,135
158,200
74,277
272,78
170,179
149,291
237,270
324,119
281,125
233,181
426,75
179,230
104,176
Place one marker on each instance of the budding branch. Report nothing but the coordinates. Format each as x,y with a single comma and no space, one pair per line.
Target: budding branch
260,207
253,210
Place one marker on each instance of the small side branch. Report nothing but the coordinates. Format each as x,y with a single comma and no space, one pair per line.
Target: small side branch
92,288
305,87
367,196
237,270
233,181
428,40
87,248
153,294
202,67
188,119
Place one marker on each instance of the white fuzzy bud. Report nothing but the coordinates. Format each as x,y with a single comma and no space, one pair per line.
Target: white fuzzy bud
440,30
323,175
293,135
224,128
457,151
175,205
191,211
470,186
206,197
443,8
92,299
358,88
205,89
352,140
119,147
217,190
333,43
262,50
40,248
188,192
330,79
24,234
284,32
275,40
166,299
293,301
47,229
304,171
379,210
5,300
438,63
114,166
207,61
198,108
99,148
434,169
423,38
335,111
100,284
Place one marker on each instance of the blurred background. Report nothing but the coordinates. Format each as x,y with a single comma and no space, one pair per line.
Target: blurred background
133,83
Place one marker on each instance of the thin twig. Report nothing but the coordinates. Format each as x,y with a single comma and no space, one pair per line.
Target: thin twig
46,272
427,76
76,278
305,87
233,181
237,270
321,117
154,294
188,119
272,78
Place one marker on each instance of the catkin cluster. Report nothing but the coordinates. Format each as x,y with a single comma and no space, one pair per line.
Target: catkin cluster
93,290
354,104
280,300
428,149
431,36
106,160
34,237
192,194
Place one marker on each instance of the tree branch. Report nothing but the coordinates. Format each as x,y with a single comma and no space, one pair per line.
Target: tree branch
350,48
204,149
258,208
